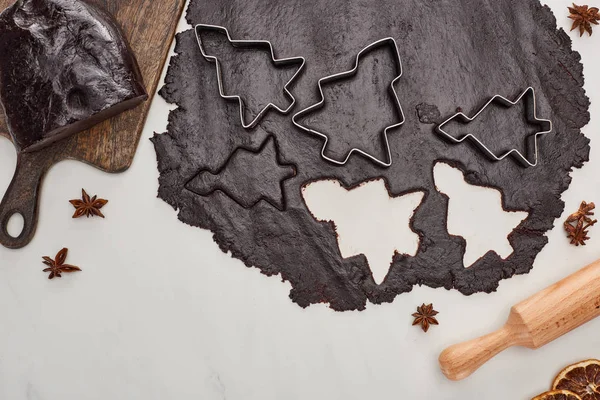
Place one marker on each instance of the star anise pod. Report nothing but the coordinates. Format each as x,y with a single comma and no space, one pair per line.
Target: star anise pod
584,213
58,266
583,17
578,223
578,233
425,316
88,206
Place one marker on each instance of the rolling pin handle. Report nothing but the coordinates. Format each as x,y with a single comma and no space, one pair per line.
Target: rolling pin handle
461,360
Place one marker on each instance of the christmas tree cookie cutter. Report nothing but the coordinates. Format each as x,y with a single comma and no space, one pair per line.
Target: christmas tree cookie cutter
532,118
206,182
348,74
249,44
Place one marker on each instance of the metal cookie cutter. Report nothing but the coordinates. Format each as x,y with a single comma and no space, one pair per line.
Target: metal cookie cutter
529,94
347,74
249,44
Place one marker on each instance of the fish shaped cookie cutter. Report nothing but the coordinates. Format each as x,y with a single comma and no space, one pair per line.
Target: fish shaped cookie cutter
348,74
532,118
249,44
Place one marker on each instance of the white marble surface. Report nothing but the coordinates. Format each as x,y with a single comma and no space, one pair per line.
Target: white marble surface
159,312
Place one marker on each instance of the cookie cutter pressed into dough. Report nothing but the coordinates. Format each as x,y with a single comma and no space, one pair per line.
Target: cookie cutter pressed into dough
351,73
532,118
269,142
249,44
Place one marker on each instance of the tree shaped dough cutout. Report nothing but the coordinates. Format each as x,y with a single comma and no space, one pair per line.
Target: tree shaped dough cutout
265,166
249,73
365,90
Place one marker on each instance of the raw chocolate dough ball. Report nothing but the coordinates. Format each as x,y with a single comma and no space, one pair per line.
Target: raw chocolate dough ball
64,67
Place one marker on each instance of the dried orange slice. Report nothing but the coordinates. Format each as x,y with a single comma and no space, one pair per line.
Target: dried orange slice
557,395
582,379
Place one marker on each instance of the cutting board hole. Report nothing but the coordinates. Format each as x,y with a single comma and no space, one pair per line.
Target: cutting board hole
15,225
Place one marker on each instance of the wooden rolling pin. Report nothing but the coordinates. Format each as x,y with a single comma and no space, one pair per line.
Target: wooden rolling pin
532,323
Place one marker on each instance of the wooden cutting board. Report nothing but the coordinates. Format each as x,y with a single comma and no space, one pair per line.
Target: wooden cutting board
110,146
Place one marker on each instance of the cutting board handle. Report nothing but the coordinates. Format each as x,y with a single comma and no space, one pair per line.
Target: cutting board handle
22,198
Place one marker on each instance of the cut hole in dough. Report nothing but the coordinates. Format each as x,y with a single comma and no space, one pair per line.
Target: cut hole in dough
476,214
368,221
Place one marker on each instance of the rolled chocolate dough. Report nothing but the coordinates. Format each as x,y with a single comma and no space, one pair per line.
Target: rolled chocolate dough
455,53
